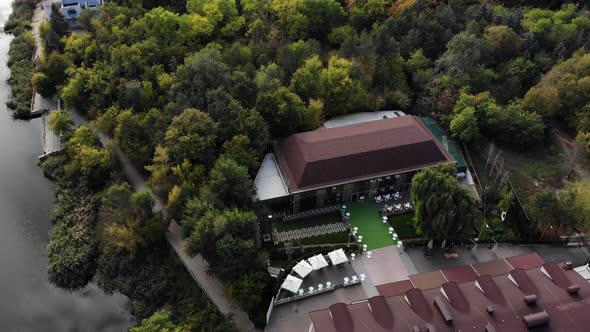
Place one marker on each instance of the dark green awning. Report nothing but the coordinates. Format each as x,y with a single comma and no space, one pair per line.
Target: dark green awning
446,141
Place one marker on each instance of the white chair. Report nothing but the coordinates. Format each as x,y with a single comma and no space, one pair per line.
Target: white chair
355,278
363,277
300,291
346,280
328,284
320,287
310,289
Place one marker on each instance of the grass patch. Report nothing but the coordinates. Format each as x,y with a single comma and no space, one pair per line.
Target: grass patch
540,170
341,237
329,218
404,225
370,225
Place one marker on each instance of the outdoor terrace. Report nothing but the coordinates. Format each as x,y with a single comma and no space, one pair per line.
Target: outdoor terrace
325,279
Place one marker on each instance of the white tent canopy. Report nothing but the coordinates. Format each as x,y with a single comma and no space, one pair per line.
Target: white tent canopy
318,262
338,257
302,268
291,283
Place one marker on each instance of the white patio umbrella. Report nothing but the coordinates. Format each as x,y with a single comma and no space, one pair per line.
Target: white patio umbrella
291,284
317,262
302,268
338,257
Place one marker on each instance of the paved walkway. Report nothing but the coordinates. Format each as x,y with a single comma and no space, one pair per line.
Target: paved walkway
386,265
367,284
303,233
40,105
437,261
196,266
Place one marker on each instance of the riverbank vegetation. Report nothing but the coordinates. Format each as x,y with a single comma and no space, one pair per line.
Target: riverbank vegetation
194,93
20,18
20,56
107,234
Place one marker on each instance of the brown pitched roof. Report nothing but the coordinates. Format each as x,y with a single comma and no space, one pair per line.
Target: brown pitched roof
325,157
492,302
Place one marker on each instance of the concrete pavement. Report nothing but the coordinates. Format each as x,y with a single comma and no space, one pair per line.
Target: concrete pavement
438,261
40,105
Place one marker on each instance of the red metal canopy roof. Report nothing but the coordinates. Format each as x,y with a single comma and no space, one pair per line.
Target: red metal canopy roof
326,157
492,302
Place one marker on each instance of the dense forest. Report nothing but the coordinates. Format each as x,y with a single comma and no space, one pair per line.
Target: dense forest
195,91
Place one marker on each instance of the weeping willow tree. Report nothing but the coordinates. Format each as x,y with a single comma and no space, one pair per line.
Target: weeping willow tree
443,209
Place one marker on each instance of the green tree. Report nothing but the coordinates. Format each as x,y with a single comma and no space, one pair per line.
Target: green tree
292,56
443,209
314,115
191,136
514,126
268,78
160,321
239,149
132,137
576,202
160,180
465,125
143,201
60,122
117,197
282,110
229,184
544,209
247,291
544,101
87,158
223,13
503,42
55,68
465,51
341,93
194,210
201,72
306,80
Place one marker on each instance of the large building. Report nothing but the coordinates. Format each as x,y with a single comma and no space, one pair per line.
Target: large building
348,163
71,9
493,297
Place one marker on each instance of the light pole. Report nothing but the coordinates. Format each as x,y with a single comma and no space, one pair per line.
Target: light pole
352,232
543,234
485,190
482,229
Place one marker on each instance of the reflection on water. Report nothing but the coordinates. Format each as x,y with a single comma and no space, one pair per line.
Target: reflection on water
27,301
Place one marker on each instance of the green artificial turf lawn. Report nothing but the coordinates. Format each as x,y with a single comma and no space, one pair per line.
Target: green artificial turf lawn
370,225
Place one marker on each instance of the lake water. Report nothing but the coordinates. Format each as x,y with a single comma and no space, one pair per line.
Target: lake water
28,302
